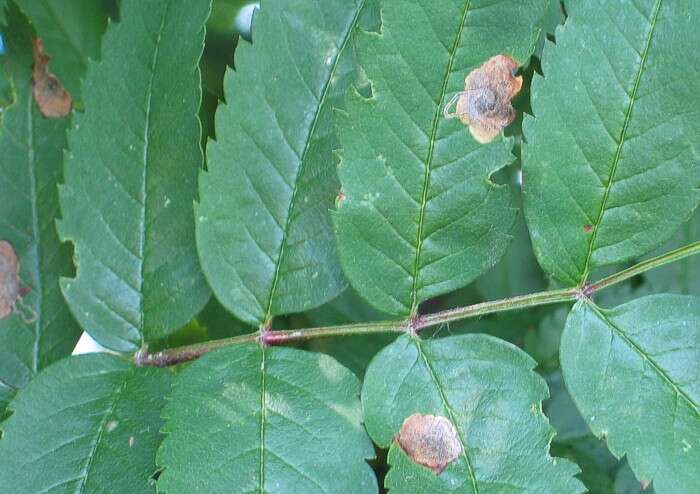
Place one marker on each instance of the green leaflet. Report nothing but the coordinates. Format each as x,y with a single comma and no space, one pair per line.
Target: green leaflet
31,157
263,229
71,31
418,216
130,178
3,14
86,424
277,420
633,373
611,159
486,388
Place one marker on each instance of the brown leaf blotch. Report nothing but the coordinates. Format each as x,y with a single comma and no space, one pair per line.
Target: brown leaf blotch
430,440
9,279
485,104
51,97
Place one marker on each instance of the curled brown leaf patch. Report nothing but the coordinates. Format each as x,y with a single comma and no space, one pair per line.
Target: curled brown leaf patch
9,279
430,440
485,104
50,95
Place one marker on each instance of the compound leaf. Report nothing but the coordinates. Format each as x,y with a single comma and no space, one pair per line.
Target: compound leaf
86,424
418,215
611,159
41,330
634,373
252,419
130,178
263,228
487,390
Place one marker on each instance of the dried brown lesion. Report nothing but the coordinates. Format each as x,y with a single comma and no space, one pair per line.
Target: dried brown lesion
9,279
53,100
485,104
430,440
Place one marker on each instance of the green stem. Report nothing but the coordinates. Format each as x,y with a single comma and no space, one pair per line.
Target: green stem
293,336
173,356
654,262
506,304
272,337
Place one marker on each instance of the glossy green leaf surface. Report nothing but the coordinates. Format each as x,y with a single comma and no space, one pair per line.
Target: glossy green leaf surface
41,330
130,178
71,32
611,160
418,215
263,229
486,388
634,373
276,420
86,424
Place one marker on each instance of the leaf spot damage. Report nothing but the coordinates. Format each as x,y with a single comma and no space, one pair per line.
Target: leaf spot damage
51,97
9,279
485,104
429,440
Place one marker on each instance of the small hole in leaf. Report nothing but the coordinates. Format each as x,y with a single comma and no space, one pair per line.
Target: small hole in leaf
429,440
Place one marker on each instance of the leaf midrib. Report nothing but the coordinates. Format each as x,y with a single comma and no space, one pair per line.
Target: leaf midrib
263,418
36,231
621,142
144,176
302,160
429,160
98,437
640,351
448,409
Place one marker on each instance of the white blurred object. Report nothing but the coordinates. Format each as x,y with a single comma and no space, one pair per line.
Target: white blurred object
244,18
87,345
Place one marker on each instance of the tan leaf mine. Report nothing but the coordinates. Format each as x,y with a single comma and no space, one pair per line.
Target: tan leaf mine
429,440
485,104
50,95
9,279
